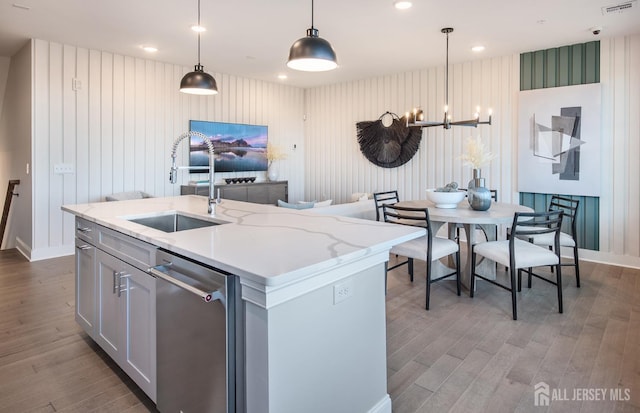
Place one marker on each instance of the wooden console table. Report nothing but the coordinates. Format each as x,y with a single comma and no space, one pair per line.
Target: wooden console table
256,192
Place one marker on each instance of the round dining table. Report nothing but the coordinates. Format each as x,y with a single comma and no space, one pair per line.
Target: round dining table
499,213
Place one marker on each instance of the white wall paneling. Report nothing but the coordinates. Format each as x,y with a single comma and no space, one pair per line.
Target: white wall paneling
117,130
336,167
620,201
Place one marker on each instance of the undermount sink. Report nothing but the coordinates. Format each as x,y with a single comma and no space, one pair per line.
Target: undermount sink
173,222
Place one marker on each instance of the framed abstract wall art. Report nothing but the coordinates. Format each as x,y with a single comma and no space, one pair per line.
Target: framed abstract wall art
559,140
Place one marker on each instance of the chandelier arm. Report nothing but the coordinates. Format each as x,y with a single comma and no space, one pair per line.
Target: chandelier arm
416,118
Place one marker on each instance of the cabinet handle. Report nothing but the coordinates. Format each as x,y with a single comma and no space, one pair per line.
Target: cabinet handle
84,229
121,275
84,247
116,274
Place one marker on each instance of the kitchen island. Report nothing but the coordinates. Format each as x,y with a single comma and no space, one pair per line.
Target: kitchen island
312,291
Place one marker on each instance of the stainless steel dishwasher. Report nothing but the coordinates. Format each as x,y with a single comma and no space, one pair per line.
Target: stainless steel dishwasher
199,337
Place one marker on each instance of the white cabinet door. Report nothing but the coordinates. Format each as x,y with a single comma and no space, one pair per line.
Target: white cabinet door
110,310
139,300
86,287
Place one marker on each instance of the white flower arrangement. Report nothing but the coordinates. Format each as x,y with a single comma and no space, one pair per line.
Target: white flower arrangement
476,155
274,153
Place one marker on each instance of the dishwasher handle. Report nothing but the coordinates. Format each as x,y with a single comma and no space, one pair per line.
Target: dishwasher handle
205,295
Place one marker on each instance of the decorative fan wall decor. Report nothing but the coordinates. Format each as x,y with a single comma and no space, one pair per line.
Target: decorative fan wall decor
388,146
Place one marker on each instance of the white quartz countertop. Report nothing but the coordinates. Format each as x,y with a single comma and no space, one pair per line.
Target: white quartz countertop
267,244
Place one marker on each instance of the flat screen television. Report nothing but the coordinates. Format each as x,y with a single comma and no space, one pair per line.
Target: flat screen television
237,147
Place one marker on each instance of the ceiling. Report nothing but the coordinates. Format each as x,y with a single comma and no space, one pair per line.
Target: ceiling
251,38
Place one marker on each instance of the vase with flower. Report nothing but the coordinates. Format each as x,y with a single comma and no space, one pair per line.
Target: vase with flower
274,153
476,156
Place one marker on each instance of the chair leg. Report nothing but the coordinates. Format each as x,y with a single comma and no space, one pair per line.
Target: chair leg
529,278
519,279
559,282
575,261
512,272
410,265
472,281
551,266
428,282
458,271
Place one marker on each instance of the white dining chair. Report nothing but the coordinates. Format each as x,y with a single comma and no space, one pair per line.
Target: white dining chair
427,248
520,255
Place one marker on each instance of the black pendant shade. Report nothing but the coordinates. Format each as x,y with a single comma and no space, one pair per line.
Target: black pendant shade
198,82
312,53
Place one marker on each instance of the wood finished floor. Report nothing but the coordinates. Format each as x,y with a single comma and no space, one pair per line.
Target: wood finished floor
464,355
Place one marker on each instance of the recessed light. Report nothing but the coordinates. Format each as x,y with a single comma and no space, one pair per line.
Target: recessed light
402,4
541,21
150,49
282,76
21,6
477,48
198,28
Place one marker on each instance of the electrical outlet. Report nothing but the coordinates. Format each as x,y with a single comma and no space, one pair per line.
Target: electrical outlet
342,291
63,168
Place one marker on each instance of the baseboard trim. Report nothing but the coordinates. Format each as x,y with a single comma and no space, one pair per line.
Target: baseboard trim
609,259
383,406
23,248
51,252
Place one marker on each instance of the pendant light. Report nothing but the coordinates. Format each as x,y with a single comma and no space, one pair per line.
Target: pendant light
416,117
312,53
198,82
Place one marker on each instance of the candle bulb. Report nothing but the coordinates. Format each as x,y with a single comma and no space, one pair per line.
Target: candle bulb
446,108
490,112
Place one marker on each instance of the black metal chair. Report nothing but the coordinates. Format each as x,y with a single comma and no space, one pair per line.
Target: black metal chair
427,248
382,198
520,255
569,207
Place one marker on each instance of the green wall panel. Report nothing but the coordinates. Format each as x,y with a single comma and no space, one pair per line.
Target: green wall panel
576,64
587,228
564,66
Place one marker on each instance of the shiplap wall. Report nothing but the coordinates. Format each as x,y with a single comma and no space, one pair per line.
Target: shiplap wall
336,168
620,199
117,130
576,64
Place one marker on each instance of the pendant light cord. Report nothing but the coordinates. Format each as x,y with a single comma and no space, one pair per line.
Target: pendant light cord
199,34
446,76
311,14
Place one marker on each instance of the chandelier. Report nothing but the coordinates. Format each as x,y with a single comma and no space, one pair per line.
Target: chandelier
416,117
